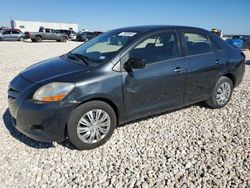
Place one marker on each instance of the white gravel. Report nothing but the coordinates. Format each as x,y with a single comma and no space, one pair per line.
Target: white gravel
190,147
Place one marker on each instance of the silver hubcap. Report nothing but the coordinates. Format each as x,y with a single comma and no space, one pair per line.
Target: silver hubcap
93,126
223,93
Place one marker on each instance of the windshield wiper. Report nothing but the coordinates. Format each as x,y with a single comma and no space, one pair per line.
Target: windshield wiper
81,57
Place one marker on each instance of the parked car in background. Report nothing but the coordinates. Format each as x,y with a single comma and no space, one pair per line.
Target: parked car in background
84,36
237,43
245,39
11,35
70,33
3,28
26,35
47,34
97,33
84,94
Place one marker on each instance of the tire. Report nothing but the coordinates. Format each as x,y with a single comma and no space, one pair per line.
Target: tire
63,39
1,39
33,40
21,39
79,113
218,102
38,38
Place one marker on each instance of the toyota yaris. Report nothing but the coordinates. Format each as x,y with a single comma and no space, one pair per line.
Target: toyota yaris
122,75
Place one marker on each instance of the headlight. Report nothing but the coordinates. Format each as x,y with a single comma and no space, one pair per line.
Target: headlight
53,92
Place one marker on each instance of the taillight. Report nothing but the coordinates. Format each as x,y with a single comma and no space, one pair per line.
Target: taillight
244,56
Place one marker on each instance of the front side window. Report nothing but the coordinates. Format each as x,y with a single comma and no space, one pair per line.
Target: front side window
158,47
106,46
47,30
197,43
15,32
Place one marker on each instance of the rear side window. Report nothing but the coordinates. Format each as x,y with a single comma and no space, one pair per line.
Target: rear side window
197,43
214,46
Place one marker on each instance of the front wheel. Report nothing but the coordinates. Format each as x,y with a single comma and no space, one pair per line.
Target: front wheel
63,39
91,125
221,93
21,39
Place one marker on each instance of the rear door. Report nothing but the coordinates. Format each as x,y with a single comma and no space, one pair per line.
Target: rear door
205,61
55,35
6,35
160,84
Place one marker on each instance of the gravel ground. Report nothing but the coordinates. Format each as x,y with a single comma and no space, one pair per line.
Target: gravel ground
190,147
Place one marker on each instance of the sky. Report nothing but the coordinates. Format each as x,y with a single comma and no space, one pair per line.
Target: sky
231,16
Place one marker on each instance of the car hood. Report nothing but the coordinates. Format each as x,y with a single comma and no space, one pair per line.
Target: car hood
52,68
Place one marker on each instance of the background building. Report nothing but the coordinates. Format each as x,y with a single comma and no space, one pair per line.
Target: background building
33,26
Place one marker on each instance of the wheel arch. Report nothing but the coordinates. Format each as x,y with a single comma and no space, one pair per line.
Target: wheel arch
106,100
231,77
39,36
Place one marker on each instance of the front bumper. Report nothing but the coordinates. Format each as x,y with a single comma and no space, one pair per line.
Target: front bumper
44,122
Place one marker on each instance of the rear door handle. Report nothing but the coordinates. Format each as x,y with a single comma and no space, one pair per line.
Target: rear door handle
178,69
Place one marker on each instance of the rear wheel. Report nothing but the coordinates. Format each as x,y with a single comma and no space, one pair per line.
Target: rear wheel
1,39
221,93
38,38
91,125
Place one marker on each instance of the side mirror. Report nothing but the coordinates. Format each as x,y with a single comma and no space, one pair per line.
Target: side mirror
134,63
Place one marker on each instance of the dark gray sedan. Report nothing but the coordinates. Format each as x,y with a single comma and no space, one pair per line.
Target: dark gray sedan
119,76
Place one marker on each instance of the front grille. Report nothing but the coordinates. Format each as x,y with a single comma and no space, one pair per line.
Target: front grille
17,86
13,93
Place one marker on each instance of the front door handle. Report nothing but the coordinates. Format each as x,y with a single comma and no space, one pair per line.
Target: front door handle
178,69
218,62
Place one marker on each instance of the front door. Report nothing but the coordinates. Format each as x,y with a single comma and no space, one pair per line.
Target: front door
14,35
160,84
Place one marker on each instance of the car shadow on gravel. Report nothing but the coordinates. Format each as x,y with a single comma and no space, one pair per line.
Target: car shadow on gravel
40,145
21,137
248,62
200,104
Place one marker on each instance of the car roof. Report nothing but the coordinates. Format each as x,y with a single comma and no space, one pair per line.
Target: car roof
146,28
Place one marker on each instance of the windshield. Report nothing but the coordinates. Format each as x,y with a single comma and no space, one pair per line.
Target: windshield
104,47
